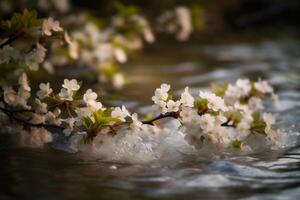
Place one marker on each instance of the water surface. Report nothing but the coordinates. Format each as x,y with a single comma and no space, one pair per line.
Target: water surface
51,174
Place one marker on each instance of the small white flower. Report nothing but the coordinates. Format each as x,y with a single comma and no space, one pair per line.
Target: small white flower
243,128
136,123
207,122
22,97
23,81
161,94
173,106
6,53
40,106
73,47
71,85
244,85
52,117
35,57
44,91
215,102
83,112
89,96
66,94
10,95
50,25
165,87
71,122
187,99
255,104
120,55
270,120
120,113
148,35
188,115
183,15
263,86
118,80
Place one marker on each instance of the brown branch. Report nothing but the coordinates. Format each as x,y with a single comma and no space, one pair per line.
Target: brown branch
10,40
11,115
174,115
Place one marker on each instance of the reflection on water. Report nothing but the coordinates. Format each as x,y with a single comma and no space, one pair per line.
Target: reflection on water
49,174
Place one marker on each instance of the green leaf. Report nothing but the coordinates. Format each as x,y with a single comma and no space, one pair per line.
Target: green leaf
219,90
200,103
258,125
237,144
21,21
126,10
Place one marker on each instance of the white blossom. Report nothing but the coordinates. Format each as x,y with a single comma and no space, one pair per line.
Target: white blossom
35,57
161,94
207,122
136,123
73,47
263,86
23,81
120,113
89,96
244,85
71,85
71,122
50,25
120,55
148,35
186,98
255,104
66,94
215,102
118,80
243,127
173,106
9,95
53,117
270,120
45,90
185,22
6,53
40,106
188,115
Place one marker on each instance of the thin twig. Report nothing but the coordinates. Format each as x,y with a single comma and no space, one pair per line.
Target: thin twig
174,115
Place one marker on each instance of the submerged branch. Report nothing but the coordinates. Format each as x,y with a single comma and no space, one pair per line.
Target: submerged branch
11,114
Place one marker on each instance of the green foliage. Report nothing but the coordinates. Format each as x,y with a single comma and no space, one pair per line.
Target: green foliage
21,21
237,144
126,10
102,118
108,69
170,97
258,125
236,117
219,90
197,17
200,103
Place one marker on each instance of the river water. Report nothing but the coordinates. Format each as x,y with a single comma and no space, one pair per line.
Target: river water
48,173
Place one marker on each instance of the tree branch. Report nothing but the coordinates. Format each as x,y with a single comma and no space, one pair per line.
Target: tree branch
174,115
10,40
11,115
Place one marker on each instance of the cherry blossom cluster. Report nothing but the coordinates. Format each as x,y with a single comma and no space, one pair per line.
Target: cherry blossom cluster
177,21
28,41
103,48
224,118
